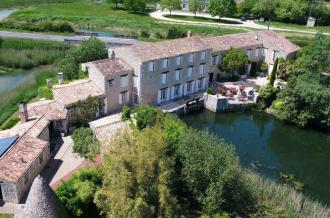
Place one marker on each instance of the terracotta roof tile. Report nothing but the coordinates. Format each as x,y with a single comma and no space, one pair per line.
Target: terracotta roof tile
278,40
50,108
17,160
111,66
71,93
168,48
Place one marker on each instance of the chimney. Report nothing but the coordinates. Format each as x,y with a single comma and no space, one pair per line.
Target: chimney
113,55
22,107
49,83
60,77
189,34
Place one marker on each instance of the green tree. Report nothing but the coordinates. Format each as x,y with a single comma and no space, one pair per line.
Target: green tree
170,4
267,95
84,143
234,62
78,192
195,6
222,8
116,2
135,5
89,50
83,111
245,8
145,116
265,8
293,11
137,176
175,33
273,73
126,114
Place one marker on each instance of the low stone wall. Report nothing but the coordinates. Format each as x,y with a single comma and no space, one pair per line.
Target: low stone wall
221,104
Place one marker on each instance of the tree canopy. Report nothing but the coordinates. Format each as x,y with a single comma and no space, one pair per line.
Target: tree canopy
222,8
234,61
84,143
170,4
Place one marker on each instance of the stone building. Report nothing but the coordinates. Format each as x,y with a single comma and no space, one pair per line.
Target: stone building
24,154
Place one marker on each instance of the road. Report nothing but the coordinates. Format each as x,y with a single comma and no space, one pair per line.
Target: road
246,24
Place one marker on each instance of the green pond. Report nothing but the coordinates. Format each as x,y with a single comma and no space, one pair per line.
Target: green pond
271,147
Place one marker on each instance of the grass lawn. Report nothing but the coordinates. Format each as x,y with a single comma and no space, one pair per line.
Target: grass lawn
296,26
6,215
22,3
201,19
104,17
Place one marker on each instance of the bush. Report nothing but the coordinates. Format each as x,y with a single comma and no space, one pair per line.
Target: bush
45,92
43,26
10,123
267,95
210,91
264,67
145,116
77,194
84,143
126,114
277,105
175,33
145,34
273,74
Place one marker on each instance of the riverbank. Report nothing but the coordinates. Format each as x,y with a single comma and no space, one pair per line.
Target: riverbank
278,151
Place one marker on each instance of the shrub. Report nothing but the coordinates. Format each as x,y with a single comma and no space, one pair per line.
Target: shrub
273,74
254,69
145,116
173,128
158,35
145,34
10,123
278,105
84,143
78,192
174,33
45,92
210,91
267,95
126,114
264,67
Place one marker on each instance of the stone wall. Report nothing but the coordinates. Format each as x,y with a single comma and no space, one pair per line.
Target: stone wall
222,104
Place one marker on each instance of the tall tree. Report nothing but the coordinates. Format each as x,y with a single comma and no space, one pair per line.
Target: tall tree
222,7
170,4
135,5
265,8
273,73
234,62
195,6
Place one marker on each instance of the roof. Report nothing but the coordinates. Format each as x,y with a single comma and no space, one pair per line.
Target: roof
242,40
168,48
50,108
224,43
40,201
111,66
278,40
79,90
5,144
17,160
19,129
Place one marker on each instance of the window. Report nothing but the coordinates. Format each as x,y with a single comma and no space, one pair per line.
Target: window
163,94
165,63
189,86
249,52
151,66
257,51
203,55
110,82
41,159
124,81
164,78
123,97
177,90
191,57
215,59
275,54
177,74
201,68
199,83
190,71
178,60
265,50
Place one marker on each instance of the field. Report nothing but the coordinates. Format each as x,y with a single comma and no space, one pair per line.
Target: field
22,3
200,19
6,215
104,17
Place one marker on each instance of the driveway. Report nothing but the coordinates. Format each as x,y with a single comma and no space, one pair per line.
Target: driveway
64,161
246,24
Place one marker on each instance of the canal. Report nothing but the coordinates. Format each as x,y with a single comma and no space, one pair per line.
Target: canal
272,147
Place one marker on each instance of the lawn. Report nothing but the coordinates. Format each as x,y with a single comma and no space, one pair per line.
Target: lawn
6,215
104,17
296,26
22,3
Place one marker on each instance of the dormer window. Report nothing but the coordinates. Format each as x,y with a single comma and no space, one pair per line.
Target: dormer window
151,66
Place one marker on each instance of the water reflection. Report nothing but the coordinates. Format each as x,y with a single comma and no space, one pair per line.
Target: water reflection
270,146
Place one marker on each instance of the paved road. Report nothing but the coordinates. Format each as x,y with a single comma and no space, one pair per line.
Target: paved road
5,13
247,24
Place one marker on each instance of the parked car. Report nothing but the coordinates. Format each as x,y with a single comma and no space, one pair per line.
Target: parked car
262,19
243,19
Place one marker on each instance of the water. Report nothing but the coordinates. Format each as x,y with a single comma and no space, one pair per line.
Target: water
274,146
11,80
